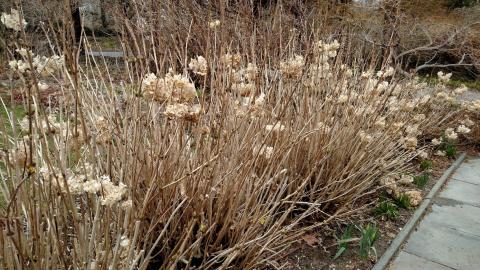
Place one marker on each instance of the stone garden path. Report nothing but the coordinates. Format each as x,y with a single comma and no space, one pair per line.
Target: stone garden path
448,237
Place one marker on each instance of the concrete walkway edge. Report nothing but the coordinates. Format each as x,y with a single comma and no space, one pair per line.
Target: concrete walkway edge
383,262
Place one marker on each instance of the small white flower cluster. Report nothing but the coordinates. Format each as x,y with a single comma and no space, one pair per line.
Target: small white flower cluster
250,105
460,90
101,128
198,65
84,182
293,67
414,196
462,129
177,91
173,87
320,69
410,143
13,20
264,151
244,80
444,78
231,60
386,73
278,127
43,65
451,134
389,182
214,24
183,111
327,49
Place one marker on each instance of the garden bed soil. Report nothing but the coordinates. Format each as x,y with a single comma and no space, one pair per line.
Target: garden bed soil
303,256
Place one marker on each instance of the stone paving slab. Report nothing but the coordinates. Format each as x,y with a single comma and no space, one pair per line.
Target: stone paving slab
407,261
459,216
463,192
469,172
450,247
448,237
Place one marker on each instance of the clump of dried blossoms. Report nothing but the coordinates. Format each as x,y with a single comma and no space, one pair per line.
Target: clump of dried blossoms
199,65
44,66
176,90
13,20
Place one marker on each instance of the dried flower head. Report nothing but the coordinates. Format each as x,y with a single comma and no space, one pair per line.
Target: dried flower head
293,67
13,20
198,65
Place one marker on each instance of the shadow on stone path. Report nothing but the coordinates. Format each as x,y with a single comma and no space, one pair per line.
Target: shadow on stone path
448,237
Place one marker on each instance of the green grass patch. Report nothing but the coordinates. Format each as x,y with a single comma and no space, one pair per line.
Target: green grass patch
387,209
403,201
369,235
421,180
454,82
426,165
344,241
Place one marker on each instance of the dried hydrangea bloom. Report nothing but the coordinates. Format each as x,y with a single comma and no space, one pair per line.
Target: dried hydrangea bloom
43,86
173,87
74,184
243,89
367,74
380,123
19,65
436,141
124,242
463,129
460,90
451,134
419,117
365,137
126,205
92,186
24,52
46,66
176,110
278,127
13,20
386,73
231,60
410,143
475,106
442,77
412,130
390,184
265,151
293,67
198,65
415,197
342,99
328,48
183,111
214,24
405,179
102,129
183,89
467,122
111,193
155,89
382,86
422,153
